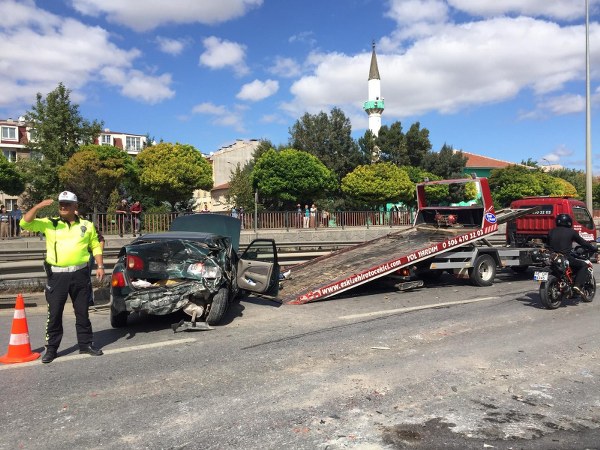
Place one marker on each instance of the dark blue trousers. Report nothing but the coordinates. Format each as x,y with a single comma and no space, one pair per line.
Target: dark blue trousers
61,285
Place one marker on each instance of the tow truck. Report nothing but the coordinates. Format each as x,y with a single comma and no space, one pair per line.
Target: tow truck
444,236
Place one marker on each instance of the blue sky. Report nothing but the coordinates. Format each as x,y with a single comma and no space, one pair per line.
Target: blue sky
504,79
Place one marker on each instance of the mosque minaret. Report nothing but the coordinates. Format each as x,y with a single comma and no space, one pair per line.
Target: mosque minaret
374,105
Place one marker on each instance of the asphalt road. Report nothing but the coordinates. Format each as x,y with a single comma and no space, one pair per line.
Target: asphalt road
444,366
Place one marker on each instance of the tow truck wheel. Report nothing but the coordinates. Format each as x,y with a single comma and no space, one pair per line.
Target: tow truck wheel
218,307
483,271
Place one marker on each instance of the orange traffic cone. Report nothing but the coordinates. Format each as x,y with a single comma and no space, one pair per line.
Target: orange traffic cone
19,349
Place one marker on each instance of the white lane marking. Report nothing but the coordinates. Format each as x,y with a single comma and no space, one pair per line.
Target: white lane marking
106,352
414,308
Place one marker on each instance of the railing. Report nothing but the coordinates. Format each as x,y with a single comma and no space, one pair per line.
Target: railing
112,224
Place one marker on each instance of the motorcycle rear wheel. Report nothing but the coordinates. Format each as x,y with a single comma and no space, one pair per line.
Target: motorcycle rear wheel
589,288
550,294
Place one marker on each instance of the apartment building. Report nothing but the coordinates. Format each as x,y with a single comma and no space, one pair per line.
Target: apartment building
224,161
15,134
131,143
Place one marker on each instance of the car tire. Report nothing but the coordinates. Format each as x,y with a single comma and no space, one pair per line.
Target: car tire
118,319
218,307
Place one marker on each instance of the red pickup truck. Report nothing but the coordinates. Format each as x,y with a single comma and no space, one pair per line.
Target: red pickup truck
534,227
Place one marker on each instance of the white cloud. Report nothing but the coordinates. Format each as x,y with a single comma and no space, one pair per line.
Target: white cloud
305,37
556,106
220,53
556,9
273,118
171,46
285,67
461,66
154,13
560,153
40,50
221,115
258,90
137,85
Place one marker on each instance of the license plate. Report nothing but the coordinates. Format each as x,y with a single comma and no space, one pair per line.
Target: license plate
540,276
154,266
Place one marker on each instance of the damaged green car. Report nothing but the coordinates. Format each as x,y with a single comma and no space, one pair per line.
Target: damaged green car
194,267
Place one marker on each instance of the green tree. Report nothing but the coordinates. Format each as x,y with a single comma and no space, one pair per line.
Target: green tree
529,162
446,163
376,184
58,129
95,171
573,176
596,193
172,172
513,183
329,139
366,145
435,193
284,178
241,192
11,181
392,144
417,144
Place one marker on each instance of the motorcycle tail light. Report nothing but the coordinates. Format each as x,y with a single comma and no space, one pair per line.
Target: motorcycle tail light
135,262
117,279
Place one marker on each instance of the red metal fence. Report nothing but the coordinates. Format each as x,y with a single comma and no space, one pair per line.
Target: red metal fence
151,223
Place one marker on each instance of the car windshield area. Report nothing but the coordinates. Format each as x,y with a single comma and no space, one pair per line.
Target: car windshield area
583,216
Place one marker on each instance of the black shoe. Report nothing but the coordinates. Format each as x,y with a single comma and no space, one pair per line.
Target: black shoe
91,350
580,292
49,356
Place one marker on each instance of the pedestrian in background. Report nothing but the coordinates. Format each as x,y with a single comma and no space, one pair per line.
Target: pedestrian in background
234,213
136,212
121,210
306,218
313,216
68,238
298,216
16,215
4,223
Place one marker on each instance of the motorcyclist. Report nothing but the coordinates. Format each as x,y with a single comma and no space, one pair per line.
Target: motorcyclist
560,240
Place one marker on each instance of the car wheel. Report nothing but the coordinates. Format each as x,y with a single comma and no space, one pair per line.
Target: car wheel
483,271
118,319
218,307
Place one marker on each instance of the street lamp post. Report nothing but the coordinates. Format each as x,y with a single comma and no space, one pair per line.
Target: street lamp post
588,113
255,210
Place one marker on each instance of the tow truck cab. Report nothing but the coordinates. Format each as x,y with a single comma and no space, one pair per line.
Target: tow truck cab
534,227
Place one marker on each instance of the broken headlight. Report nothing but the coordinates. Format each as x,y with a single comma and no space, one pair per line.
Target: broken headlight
205,270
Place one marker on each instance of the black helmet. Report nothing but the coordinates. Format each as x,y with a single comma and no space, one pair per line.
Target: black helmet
564,220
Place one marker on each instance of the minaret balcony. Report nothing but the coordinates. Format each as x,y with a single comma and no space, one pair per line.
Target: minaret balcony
373,105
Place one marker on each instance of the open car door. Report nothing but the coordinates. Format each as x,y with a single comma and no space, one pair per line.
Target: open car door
258,268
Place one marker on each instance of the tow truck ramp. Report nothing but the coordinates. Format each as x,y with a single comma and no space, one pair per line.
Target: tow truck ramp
437,230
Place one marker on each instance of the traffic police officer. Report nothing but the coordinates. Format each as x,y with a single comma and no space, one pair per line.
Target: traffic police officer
68,238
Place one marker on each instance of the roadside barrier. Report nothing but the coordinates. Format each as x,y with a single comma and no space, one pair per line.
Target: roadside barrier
19,347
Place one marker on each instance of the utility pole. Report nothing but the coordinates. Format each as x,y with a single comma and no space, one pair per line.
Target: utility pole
588,114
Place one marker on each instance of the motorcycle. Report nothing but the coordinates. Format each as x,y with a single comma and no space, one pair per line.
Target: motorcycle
556,282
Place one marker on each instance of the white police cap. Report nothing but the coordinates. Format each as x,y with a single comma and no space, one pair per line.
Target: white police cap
66,196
